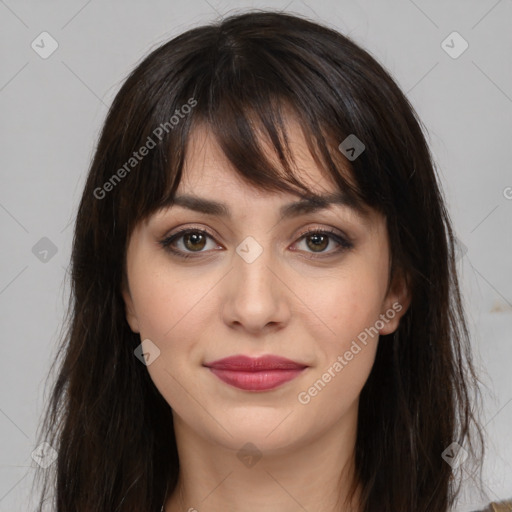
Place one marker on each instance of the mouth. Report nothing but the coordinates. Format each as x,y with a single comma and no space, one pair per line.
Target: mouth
256,374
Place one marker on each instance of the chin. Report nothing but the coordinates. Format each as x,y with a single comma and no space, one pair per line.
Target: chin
269,433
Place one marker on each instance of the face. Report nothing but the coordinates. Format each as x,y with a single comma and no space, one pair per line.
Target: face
203,287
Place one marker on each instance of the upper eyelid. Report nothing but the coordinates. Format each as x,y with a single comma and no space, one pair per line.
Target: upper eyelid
211,232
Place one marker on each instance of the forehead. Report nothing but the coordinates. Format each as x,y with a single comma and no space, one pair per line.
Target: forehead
206,167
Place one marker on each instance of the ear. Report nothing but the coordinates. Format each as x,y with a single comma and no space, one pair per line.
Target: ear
131,318
396,303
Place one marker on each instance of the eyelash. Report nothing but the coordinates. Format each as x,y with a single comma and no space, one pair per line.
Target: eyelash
344,244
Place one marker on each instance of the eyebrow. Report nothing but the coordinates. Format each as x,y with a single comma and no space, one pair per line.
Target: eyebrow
309,203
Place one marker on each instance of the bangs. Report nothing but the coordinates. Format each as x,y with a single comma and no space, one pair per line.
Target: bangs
255,140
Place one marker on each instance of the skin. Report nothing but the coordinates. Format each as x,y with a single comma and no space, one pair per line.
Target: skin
217,304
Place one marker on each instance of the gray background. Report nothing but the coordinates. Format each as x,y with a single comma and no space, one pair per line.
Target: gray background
52,110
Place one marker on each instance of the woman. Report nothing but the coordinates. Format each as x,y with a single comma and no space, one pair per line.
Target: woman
265,308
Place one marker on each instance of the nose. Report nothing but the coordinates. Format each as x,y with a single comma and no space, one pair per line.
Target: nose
257,299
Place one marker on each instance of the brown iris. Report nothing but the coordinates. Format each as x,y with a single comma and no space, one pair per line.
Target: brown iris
197,241
319,241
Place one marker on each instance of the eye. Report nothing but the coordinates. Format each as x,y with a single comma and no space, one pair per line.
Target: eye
317,240
194,240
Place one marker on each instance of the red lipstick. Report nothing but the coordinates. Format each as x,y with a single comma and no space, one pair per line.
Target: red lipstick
255,373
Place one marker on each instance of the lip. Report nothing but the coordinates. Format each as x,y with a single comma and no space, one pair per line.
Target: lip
256,373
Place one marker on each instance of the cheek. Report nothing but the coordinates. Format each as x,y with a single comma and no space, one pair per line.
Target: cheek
349,305
172,314
164,302
352,316
346,352
349,302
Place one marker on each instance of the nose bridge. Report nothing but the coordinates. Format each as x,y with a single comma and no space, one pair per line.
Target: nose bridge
252,263
256,295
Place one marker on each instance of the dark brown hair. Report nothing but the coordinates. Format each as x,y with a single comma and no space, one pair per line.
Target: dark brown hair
241,77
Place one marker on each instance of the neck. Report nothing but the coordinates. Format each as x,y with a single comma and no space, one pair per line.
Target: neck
312,474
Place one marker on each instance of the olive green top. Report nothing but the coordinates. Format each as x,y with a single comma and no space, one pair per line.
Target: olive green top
502,506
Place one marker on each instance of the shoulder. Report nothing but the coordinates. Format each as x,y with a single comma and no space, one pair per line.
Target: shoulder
502,506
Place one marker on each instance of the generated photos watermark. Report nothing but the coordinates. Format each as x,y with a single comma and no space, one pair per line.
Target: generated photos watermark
147,352
304,397
138,156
